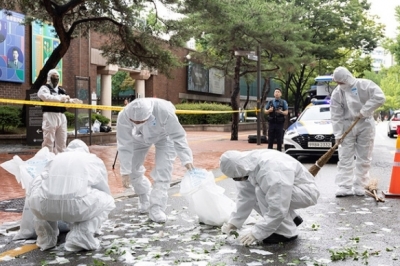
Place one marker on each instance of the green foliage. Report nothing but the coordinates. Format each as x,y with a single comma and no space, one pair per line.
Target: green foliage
10,117
121,81
104,120
70,119
82,119
129,41
191,119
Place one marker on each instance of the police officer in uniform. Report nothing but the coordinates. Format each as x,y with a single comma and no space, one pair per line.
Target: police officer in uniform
276,109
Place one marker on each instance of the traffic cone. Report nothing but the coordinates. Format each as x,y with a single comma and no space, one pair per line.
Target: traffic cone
394,188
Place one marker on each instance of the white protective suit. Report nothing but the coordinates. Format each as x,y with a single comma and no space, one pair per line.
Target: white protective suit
73,188
351,99
54,123
162,128
277,185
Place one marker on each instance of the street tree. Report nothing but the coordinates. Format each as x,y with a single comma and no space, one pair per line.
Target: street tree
335,24
128,40
223,27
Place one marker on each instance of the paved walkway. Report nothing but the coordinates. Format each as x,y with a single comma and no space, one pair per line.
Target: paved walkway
207,148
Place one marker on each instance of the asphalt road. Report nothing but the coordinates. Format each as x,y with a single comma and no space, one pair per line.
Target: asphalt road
337,231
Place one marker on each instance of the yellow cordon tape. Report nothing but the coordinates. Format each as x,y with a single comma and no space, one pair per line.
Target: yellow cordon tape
105,107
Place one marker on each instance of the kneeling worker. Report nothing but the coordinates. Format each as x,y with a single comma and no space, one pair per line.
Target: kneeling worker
73,188
274,184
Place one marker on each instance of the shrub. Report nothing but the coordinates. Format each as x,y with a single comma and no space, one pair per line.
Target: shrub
190,119
10,117
82,119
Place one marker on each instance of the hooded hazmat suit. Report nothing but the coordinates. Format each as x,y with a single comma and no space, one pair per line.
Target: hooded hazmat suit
354,98
142,123
73,188
54,123
277,185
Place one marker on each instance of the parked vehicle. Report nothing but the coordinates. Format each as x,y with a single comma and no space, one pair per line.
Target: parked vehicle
393,122
311,133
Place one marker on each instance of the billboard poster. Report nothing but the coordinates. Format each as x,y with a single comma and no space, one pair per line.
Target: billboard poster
44,41
12,47
197,78
217,81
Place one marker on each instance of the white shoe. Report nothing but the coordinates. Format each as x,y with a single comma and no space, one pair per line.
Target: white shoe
157,215
144,203
359,192
344,192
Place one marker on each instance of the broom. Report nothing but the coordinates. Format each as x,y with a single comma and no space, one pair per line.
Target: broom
371,189
314,169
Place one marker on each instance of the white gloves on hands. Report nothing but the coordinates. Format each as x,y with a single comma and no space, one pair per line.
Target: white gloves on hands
64,98
75,100
247,239
126,181
189,166
227,228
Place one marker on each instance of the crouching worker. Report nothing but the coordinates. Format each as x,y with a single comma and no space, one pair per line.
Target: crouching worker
73,188
273,184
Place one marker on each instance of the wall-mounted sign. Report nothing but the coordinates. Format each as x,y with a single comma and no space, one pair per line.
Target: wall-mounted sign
12,47
44,41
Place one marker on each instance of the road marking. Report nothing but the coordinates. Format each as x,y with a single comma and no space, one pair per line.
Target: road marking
220,178
17,251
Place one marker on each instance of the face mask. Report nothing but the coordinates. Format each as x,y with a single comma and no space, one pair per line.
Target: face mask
54,81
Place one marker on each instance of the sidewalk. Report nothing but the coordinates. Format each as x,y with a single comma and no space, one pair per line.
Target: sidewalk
207,148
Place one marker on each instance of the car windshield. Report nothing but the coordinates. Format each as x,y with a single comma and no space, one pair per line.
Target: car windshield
316,113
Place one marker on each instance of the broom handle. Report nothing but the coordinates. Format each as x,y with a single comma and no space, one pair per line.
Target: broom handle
345,133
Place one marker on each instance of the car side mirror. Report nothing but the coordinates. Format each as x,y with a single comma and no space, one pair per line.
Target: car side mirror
293,119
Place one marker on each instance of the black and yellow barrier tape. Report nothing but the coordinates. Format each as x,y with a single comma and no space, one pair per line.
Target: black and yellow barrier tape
109,108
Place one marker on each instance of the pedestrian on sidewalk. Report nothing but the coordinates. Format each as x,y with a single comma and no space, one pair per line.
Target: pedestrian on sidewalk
273,184
73,188
276,109
54,125
354,98
142,123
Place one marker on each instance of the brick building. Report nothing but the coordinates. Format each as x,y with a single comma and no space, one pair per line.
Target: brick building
84,59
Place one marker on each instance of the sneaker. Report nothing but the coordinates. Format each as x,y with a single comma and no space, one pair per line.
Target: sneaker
359,192
144,203
298,220
157,215
344,192
276,239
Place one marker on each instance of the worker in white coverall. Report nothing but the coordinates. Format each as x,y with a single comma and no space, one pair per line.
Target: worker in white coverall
142,123
272,183
354,98
73,188
54,123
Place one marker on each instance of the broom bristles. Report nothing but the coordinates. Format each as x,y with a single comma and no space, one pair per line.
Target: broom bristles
314,169
372,185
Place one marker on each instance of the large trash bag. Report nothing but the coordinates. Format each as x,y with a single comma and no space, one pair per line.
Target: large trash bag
206,198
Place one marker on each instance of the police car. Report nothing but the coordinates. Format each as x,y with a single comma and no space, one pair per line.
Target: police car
311,133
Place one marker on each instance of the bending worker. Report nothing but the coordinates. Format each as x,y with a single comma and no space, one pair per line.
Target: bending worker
142,123
54,123
73,188
351,99
274,184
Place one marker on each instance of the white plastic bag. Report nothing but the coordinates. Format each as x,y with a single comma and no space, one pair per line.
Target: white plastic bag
96,126
205,198
25,171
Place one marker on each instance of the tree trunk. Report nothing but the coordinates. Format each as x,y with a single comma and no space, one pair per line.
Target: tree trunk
235,100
